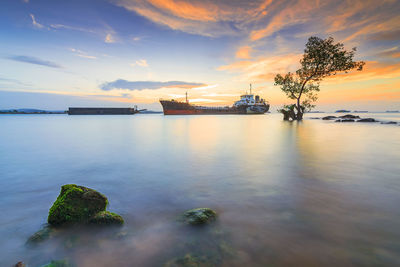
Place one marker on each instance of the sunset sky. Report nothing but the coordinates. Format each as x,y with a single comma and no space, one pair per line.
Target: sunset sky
58,53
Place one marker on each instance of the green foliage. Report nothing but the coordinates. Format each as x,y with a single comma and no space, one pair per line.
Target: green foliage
321,58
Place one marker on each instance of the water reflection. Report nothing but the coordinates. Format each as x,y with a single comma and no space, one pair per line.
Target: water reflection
305,194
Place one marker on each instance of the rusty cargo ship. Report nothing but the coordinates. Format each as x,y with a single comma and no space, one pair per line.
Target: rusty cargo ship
248,104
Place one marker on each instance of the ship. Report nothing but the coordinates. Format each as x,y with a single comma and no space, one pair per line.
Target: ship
102,111
248,104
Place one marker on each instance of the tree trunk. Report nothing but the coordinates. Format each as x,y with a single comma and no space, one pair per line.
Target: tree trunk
299,115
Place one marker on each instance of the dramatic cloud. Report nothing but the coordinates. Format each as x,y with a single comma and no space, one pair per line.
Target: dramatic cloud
36,61
207,17
141,85
263,68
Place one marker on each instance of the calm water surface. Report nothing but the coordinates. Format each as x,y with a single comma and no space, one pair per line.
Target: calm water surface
303,194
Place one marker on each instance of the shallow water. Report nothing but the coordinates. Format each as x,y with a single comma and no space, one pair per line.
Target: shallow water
306,194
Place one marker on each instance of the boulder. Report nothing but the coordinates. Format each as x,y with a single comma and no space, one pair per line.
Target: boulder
106,218
199,216
367,120
76,204
329,117
349,116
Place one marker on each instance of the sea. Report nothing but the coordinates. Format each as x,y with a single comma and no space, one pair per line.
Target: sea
310,193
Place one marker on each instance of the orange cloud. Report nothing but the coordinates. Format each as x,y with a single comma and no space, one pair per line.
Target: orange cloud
373,70
243,52
264,68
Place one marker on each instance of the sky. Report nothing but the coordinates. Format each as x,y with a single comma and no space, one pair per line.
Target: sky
119,53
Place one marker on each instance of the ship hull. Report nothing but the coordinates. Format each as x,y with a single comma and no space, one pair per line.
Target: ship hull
181,108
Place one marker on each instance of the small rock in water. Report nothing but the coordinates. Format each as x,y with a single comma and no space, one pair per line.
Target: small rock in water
20,264
388,122
107,218
345,120
367,120
188,260
41,235
199,216
349,116
58,263
329,118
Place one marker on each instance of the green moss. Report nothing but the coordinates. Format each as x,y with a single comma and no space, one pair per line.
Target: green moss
199,216
76,204
107,218
58,263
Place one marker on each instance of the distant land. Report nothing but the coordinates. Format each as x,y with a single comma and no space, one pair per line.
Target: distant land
31,111
41,111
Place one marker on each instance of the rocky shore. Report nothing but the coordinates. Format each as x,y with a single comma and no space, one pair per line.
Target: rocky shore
352,118
79,206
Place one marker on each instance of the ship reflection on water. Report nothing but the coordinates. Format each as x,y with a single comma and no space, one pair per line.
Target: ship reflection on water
314,193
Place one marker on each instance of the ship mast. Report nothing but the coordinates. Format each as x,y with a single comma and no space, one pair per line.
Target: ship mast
187,101
250,88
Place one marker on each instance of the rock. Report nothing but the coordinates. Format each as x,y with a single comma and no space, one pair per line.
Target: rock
367,120
76,204
345,120
41,235
315,118
58,263
388,122
329,118
20,264
106,218
199,216
189,260
349,116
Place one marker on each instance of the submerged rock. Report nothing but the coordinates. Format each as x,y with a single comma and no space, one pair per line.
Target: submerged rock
20,264
189,260
58,263
367,120
388,122
345,120
199,216
41,235
329,117
349,116
106,218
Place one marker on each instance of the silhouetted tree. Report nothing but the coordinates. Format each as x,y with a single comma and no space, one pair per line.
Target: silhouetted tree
322,58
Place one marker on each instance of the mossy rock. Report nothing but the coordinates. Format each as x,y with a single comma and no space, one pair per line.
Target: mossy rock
76,204
41,235
106,218
58,263
189,260
199,216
